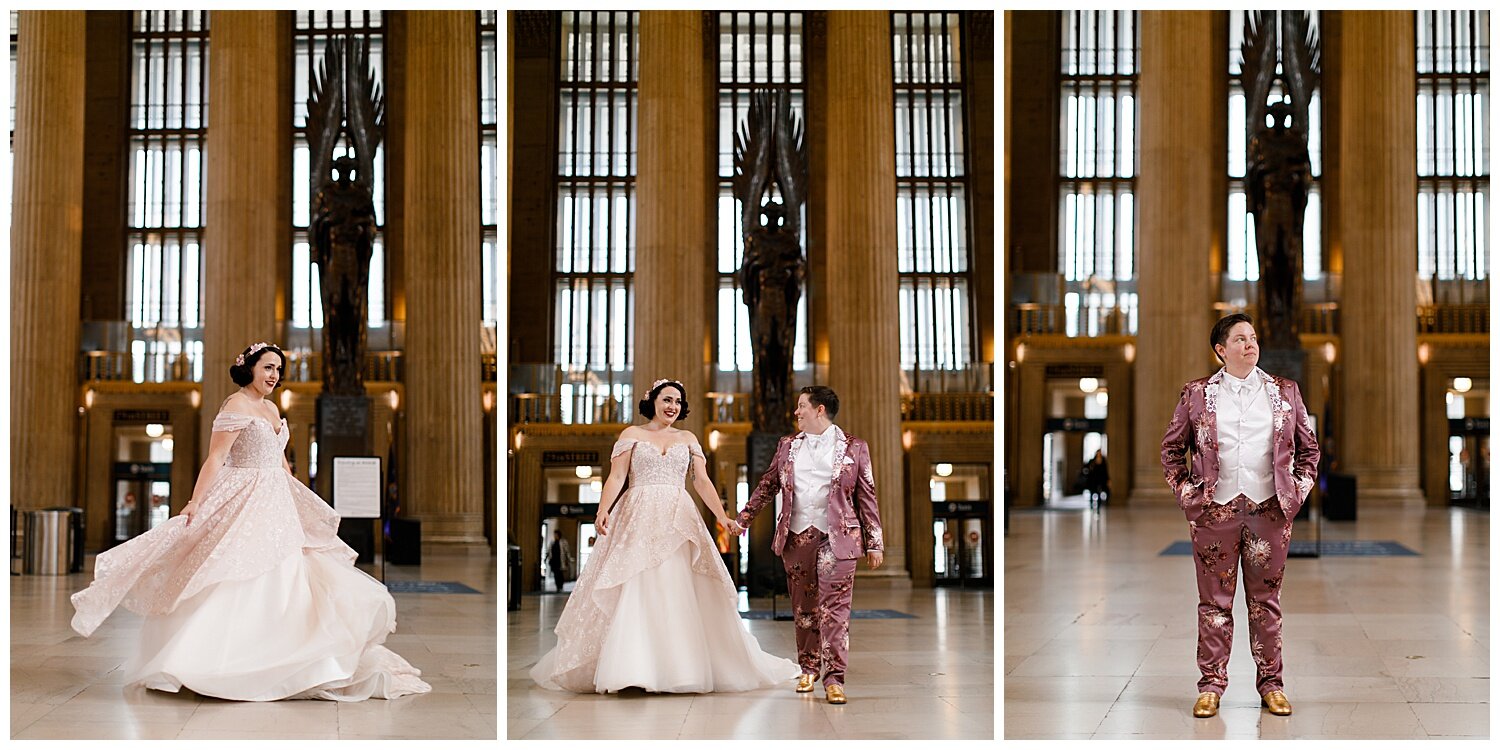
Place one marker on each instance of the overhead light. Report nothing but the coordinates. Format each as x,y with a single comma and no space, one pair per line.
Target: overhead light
1462,385
944,470
154,430
1088,385
584,472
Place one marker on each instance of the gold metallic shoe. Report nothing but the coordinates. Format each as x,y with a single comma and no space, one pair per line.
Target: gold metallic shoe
1276,701
835,694
1207,705
805,682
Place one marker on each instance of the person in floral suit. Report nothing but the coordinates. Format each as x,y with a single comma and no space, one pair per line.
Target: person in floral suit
829,518
1254,460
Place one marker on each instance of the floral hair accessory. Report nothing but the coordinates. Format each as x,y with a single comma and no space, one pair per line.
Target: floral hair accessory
240,360
664,380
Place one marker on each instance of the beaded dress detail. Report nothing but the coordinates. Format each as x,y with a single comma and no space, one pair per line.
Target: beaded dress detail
258,599
654,607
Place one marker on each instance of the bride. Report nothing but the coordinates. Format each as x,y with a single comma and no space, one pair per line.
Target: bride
249,594
655,608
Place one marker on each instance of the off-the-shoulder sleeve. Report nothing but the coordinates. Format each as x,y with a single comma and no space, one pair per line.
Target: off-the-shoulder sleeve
228,421
697,450
622,445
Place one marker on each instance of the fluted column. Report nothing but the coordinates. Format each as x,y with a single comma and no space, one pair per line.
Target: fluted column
864,365
1378,220
442,277
46,256
249,163
1177,199
672,234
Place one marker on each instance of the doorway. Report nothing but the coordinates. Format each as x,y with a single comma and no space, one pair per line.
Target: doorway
962,520
1074,432
142,479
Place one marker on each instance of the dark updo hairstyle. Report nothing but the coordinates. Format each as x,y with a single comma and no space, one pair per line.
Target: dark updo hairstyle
647,406
1220,333
822,395
243,374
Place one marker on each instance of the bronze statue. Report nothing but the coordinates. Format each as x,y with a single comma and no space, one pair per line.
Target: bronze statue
345,101
770,162
1279,172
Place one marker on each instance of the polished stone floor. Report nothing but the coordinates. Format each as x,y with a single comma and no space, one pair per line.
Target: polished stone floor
1100,632
932,677
66,686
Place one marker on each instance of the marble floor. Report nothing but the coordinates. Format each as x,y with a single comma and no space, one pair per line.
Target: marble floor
66,686
932,677
1100,632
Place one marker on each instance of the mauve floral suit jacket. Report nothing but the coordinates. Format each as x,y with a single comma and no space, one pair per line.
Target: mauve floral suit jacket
1194,425
853,513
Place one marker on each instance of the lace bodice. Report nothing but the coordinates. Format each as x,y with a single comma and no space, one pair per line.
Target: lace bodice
648,465
259,446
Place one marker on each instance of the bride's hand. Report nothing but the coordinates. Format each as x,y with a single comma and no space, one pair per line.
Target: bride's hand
732,526
601,522
189,510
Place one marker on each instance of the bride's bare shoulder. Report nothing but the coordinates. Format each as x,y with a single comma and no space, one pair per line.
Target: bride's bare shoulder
237,404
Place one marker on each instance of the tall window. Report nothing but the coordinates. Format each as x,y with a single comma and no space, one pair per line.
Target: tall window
1243,258
1099,70
489,166
1453,162
168,116
313,30
759,50
932,227
594,302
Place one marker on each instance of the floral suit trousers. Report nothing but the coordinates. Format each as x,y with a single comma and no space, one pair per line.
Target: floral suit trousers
822,589
1224,536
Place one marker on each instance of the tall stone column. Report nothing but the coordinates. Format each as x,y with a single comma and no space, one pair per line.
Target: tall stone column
247,179
442,277
1378,221
1178,196
673,235
46,257
864,365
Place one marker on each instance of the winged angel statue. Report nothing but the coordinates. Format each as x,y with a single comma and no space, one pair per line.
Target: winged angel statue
345,102
1279,172
770,163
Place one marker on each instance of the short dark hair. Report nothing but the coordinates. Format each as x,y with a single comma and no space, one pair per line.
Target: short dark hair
647,406
243,374
822,395
1220,333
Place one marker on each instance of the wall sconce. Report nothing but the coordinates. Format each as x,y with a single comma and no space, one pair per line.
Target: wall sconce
1129,351
906,439
713,440
195,397
394,398
1330,352
488,400
1020,352
1424,353
286,400
88,399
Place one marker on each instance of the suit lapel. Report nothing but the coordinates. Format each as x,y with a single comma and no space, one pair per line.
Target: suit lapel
1275,401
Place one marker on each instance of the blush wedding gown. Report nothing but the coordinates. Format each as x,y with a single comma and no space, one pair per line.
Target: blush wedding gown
655,608
257,600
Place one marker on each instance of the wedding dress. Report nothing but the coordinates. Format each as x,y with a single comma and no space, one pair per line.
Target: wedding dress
257,599
654,607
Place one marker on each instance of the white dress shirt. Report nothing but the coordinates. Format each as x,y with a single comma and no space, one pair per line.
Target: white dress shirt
1244,424
814,477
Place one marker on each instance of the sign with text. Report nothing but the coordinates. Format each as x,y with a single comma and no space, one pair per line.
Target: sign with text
356,486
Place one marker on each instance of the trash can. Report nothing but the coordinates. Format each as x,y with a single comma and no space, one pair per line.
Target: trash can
75,526
49,542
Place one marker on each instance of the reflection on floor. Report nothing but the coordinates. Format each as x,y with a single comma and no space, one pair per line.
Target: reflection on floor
1100,632
926,678
65,686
